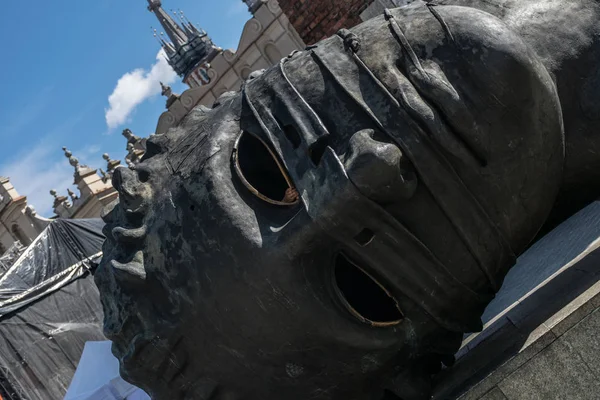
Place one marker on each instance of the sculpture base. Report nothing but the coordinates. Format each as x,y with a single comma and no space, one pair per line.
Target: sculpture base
540,339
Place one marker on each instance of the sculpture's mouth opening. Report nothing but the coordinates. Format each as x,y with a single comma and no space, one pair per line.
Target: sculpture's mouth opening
366,298
261,171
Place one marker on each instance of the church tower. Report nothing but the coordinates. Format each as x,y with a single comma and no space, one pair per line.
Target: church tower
189,49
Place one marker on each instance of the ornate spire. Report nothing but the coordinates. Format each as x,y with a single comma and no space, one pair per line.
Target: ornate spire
171,28
187,46
165,44
190,29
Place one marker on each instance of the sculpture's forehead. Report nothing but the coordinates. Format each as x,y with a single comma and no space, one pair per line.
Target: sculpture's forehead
201,136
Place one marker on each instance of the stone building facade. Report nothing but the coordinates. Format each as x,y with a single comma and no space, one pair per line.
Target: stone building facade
19,222
189,49
276,29
95,192
211,71
95,187
208,70
266,38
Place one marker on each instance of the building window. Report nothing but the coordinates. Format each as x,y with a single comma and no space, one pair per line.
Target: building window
272,53
20,235
245,73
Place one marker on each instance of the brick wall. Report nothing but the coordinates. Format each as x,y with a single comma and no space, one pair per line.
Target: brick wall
317,19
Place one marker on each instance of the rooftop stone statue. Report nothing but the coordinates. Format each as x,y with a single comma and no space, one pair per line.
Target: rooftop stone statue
333,230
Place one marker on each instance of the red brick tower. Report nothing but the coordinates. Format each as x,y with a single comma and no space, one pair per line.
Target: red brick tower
317,19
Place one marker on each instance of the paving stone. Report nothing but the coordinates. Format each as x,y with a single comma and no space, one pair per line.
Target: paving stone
586,304
557,372
509,367
494,394
585,339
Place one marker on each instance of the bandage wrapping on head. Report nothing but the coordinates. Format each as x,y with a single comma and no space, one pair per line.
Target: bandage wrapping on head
337,206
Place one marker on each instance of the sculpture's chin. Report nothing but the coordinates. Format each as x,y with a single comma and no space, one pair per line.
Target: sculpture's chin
138,359
159,365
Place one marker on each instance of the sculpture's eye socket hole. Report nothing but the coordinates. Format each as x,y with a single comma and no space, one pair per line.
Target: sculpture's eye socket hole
290,133
365,298
143,175
365,237
261,172
317,150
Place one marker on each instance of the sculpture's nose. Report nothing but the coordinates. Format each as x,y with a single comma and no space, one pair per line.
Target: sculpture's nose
131,187
121,178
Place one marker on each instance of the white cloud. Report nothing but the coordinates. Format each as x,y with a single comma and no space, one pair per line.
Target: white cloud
135,87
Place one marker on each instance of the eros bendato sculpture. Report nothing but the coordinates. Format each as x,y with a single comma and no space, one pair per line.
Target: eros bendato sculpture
333,230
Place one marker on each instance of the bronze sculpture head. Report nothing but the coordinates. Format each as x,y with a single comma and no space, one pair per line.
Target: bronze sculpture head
424,147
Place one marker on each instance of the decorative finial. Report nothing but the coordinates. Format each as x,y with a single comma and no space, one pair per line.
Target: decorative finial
104,176
72,195
58,200
72,160
153,4
166,90
180,16
111,165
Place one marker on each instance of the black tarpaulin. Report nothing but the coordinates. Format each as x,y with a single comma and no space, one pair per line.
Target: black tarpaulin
49,308
41,344
60,254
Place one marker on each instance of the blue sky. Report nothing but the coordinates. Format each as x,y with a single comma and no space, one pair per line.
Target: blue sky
63,60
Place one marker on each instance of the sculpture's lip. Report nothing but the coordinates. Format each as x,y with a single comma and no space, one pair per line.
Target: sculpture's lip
120,338
134,347
374,295
159,357
129,235
129,343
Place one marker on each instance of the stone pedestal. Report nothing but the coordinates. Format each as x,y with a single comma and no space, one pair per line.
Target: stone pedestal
540,339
